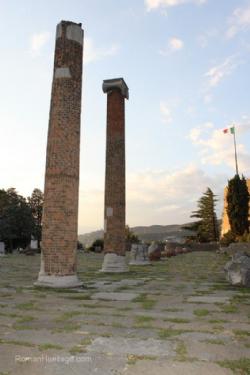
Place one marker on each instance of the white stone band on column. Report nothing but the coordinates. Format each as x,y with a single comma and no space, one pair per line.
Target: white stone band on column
63,72
75,32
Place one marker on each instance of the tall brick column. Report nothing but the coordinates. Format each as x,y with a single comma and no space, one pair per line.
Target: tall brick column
60,213
114,207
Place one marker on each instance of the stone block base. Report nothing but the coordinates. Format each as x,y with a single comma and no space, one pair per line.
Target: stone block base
52,281
114,263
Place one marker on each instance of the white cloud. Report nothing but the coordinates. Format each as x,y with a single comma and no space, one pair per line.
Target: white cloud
203,39
166,113
217,148
154,4
168,197
195,133
218,72
175,44
155,197
239,21
38,41
93,53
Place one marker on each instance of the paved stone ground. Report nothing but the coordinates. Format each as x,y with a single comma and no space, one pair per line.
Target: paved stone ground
176,317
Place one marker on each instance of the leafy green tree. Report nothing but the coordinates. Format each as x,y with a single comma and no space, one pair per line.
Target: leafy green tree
130,235
36,204
207,227
16,221
238,203
99,243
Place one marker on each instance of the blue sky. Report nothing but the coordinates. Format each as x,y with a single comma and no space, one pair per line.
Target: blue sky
187,65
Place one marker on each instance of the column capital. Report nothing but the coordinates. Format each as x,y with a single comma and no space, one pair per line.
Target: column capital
116,83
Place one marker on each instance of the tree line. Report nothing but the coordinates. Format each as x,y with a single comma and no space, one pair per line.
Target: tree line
20,218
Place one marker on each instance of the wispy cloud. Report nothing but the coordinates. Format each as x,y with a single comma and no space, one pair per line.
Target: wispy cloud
174,44
239,21
218,72
166,113
38,41
93,53
155,196
154,4
204,38
216,148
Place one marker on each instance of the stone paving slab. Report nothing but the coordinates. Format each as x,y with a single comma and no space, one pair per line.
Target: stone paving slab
213,352
34,362
120,345
113,296
209,299
175,368
150,336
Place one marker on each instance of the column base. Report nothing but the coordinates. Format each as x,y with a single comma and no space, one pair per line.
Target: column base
52,281
114,263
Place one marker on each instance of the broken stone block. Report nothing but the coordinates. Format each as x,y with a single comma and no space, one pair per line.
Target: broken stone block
139,255
238,270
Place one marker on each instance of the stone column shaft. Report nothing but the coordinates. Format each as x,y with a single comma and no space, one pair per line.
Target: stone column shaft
114,206
60,213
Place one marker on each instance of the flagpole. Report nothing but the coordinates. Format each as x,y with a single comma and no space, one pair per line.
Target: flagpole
235,153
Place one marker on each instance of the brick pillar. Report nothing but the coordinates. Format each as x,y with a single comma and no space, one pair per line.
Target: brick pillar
114,207
60,213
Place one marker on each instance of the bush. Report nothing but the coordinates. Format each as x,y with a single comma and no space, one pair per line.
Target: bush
228,238
97,244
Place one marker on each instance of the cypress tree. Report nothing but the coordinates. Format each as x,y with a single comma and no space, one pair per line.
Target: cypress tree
207,226
238,203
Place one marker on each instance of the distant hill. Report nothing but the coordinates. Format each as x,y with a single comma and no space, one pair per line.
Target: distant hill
150,233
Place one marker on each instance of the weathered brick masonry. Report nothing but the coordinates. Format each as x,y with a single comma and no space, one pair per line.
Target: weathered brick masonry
60,214
114,211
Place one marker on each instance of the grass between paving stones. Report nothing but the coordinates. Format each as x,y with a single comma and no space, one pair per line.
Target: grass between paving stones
214,342
27,306
218,329
48,346
16,342
143,322
171,309
25,319
106,334
146,303
201,312
67,316
176,320
20,323
132,358
241,333
77,349
124,308
239,366
228,308
49,290
181,351
96,306
82,347
217,321
79,297
11,315
67,327
166,333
